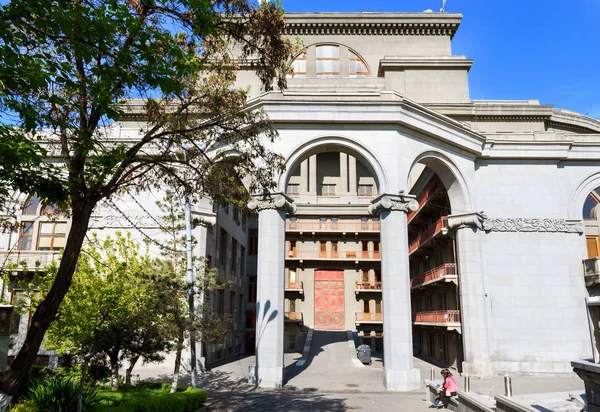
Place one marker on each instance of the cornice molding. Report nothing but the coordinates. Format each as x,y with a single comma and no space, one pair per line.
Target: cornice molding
391,202
533,225
272,201
386,24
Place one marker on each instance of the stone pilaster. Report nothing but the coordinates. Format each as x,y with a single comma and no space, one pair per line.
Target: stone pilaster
473,305
399,372
272,209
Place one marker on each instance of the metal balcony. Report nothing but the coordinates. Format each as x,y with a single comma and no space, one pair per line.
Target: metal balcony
373,318
442,273
296,286
331,255
332,227
293,317
441,226
368,287
444,318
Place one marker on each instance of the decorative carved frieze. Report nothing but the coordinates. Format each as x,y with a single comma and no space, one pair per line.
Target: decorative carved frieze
126,221
389,202
533,225
372,29
274,201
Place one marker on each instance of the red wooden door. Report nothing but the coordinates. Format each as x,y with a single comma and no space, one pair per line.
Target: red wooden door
329,300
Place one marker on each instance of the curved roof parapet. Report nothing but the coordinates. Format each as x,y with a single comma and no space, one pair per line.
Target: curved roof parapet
416,24
577,120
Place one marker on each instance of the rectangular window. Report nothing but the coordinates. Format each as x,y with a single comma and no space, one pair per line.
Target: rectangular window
236,215
328,61
334,223
357,68
241,310
327,190
253,242
221,302
52,236
26,236
293,222
243,261
293,190
222,248
5,320
366,306
251,289
334,249
232,305
592,246
364,223
291,343
365,190
17,297
234,248
299,66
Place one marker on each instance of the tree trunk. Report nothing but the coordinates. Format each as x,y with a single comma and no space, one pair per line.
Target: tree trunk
82,384
45,313
180,341
132,363
114,377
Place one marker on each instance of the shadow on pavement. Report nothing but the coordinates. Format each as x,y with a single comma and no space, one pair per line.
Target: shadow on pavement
285,400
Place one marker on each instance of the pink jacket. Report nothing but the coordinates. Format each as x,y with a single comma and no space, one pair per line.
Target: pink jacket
450,384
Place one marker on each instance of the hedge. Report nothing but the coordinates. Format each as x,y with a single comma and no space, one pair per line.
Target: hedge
188,401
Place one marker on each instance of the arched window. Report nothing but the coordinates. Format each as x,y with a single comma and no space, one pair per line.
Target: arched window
42,228
328,61
590,206
299,66
356,66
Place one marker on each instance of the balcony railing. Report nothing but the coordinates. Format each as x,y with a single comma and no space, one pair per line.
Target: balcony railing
445,271
368,286
427,194
331,255
591,271
438,317
296,286
293,316
428,233
317,226
362,317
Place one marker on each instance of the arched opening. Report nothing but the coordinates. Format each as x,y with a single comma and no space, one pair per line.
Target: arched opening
43,226
434,274
329,60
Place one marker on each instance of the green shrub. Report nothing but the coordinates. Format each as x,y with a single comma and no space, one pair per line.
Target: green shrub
26,406
57,395
151,385
189,400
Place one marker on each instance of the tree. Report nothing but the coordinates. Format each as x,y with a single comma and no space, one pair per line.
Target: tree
68,68
113,307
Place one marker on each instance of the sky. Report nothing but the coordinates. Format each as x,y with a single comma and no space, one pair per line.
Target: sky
522,49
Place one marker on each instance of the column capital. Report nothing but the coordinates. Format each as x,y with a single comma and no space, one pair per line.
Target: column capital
274,201
464,220
388,202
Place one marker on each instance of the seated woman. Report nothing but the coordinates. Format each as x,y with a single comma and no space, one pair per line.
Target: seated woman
448,389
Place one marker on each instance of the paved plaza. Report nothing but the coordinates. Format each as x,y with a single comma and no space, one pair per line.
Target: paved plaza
332,380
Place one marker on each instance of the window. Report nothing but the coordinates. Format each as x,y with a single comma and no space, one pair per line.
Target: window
5,320
356,67
327,190
234,248
18,296
236,215
334,246
251,289
52,235
365,190
293,246
293,221
243,261
293,190
366,306
589,207
364,223
31,205
334,223
250,319
222,248
253,242
592,246
241,310
221,302
244,222
328,61
232,305
365,275
378,306
291,343
26,236
299,66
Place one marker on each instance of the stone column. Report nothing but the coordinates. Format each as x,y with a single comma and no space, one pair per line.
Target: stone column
352,175
589,372
399,373
312,175
473,307
304,177
271,209
343,173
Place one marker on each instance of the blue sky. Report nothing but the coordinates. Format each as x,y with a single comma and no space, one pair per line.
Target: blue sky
522,49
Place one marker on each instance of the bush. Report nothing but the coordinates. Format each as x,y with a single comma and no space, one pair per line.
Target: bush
61,395
189,400
26,406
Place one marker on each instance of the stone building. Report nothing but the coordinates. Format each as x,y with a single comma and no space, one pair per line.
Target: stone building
427,222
